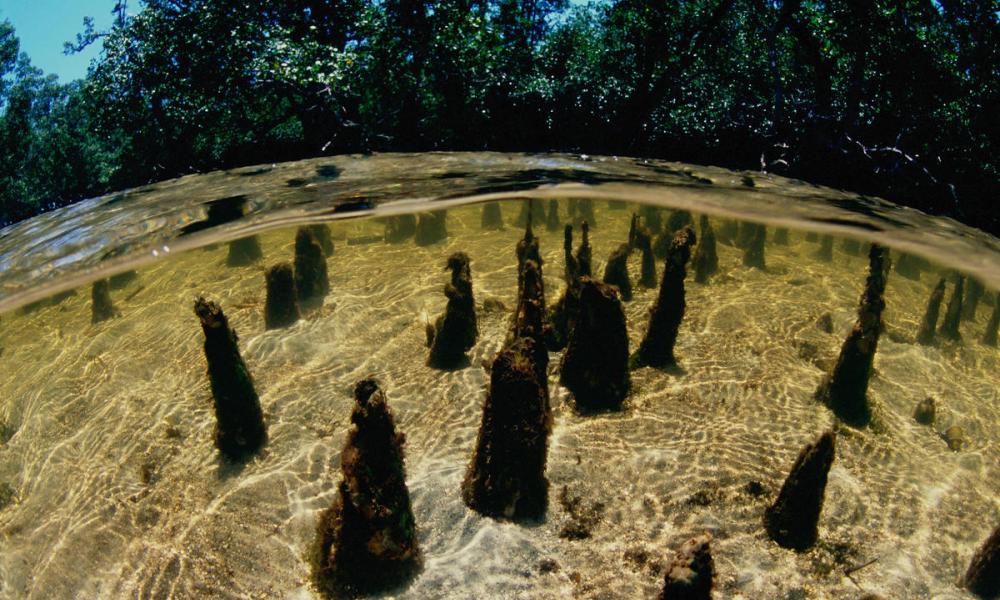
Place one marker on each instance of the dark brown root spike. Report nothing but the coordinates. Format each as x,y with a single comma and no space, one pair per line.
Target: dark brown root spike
706,261
456,331
506,477
616,272
825,251
584,253
845,389
281,306
492,217
432,227
657,347
572,268
311,280
240,431
983,576
928,325
552,222
400,228
639,238
973,293
244,251
990,334
753,254
322,234
953,315
793,519
367,540
101,307
595,365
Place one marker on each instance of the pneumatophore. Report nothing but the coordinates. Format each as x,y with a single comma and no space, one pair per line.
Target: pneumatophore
431,227
367,539
616,272
642,240
239,422
793,519
492,218
456,330
244,251
990,334
706,260
101,306
657,347
845,389
281,306
595,365
953,315
983,575
753,252
311,280
928,325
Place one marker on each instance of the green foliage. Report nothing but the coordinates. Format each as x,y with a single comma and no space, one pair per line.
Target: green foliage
895,98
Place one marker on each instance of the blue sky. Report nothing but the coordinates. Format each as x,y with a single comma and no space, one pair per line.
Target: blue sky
43,26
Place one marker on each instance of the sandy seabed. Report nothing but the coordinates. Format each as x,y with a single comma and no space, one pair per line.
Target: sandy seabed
110,486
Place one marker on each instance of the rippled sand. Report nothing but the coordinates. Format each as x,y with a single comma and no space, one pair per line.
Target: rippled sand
116,489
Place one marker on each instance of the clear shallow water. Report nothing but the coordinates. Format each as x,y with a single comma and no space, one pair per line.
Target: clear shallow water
114,488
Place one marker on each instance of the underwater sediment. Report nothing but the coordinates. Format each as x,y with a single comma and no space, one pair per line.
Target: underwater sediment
690,573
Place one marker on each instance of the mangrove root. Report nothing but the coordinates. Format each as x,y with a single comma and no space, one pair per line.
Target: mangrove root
311,280
657,348
595,365
239,428
753,252
506,477
616,272
367,539
845,389
793,518
244,251
432,227
101,307
953,316
690,573
456,330
983,576
281,308
706,261
492,217
990,335
928,325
